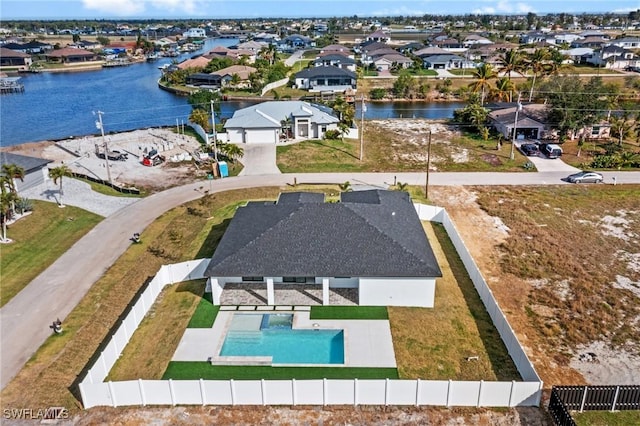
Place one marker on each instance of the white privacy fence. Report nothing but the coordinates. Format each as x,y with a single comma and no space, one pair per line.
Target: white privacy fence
95,391
274,85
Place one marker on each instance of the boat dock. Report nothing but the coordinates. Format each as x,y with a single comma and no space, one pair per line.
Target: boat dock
11,85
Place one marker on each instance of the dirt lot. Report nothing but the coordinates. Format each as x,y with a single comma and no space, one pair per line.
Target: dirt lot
80,155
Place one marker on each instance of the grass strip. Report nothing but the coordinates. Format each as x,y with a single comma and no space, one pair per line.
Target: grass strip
38,240
204,370
349,313
205,314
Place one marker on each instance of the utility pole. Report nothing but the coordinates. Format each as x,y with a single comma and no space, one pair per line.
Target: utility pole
426,184
515,127
104,145
213,132
362,110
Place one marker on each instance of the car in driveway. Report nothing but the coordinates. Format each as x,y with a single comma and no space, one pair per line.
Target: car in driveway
551,150
585,177
530,149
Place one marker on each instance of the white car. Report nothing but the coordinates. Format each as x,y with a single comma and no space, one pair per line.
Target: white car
584,177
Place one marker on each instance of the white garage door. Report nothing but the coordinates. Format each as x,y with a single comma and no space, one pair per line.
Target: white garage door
261,136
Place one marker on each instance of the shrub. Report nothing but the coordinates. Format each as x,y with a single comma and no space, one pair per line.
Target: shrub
24,205
332,134
377,93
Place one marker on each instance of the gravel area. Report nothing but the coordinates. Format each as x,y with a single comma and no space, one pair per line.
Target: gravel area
79,194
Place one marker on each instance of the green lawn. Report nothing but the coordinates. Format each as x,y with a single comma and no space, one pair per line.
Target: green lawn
607,418
205,314
206,371
349,312
38,240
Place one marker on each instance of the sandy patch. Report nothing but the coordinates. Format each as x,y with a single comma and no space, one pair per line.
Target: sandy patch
625,283
601,364
617,226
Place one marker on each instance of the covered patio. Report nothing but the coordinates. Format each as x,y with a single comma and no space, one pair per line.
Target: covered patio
256,293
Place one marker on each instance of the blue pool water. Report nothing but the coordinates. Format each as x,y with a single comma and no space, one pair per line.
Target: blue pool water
283,344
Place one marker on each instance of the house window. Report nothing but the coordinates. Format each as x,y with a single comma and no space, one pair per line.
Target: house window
298,280
260,279
595,131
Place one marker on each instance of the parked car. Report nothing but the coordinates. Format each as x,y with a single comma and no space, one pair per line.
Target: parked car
585,177
530,149
551,150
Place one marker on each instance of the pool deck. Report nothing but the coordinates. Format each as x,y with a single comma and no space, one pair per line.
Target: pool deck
367,343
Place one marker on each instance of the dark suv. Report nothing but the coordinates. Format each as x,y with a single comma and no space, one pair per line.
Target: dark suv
529,149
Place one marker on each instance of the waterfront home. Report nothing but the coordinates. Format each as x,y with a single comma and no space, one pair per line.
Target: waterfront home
194,33
370,241
70,55
11,58
270,122
336,60
243,72
446,62
378,36
326,79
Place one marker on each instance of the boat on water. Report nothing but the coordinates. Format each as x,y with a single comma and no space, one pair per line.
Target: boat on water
152,56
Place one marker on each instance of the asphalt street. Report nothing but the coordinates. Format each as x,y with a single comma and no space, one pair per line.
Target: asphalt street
25,319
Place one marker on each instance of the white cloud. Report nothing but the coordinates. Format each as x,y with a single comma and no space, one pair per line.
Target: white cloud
399,11
115,7
138,7
504,7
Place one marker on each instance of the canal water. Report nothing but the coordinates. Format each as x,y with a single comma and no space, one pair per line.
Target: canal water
62,105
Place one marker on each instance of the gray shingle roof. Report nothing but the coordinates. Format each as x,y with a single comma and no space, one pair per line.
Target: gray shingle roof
368,234
326,72
27,163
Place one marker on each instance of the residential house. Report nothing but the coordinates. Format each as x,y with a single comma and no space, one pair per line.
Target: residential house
35,169
378,36
195,33
450,45
627,42
252,46
446,62
296,41
199,62
336,60
389,61
371,241
336,49
613,57
11,58
69,55
326,79
530,124
269,122
242,71
592,42
474,40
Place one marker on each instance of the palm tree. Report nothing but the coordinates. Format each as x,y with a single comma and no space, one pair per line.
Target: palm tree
510,61
345,187
12,172
57,173
231,151
483,74
503,89
7,200
538,64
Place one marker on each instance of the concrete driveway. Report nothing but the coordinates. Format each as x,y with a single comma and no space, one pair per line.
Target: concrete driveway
544,164
259,159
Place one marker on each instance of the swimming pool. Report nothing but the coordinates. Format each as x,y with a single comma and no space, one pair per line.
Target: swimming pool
272,335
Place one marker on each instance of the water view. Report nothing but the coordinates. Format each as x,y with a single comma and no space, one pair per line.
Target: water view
63,105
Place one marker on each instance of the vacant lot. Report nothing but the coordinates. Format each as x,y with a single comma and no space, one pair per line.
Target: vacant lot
563,262
400,145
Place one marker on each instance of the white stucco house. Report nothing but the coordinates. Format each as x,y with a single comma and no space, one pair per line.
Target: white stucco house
372,241
269,122
194,33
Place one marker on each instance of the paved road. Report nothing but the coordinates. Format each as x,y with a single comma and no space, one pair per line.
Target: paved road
24,321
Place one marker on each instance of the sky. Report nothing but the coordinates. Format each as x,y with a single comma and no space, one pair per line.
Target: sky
218,9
